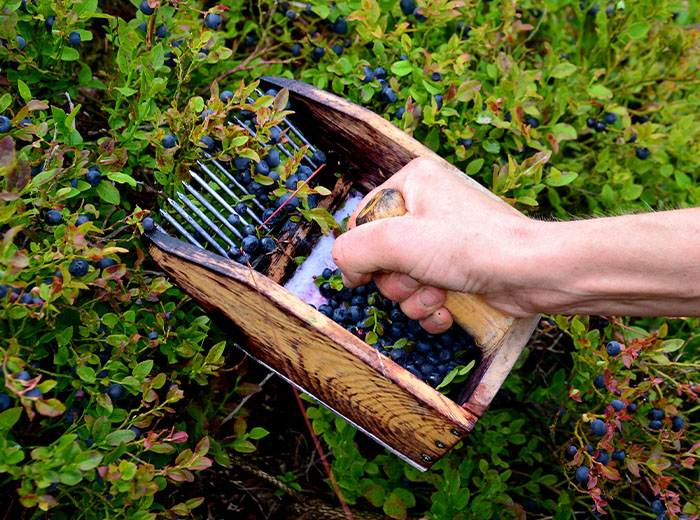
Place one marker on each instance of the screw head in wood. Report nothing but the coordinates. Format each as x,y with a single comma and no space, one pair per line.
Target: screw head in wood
426,457
456,432
440,445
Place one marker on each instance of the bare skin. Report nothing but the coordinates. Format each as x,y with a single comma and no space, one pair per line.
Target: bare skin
457,238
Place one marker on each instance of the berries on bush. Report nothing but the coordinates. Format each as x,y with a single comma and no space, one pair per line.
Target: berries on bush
168,141
642,153
677,423
657,507
153,335
599,382
115,391
436,76
655,414
208,143
5,124
53,217
582,474
82,219
148,224
226,96
619,455
296,50
418,15
93,177
571,451
655,425
613,348
603,457
598,427
74,38
78,267
145,8
161,31
104,263
4,402
407,6
340,26
617,405
610,118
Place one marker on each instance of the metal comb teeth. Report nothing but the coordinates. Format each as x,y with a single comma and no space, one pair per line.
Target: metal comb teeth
211,213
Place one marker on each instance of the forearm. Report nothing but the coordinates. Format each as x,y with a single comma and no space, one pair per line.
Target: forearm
643,265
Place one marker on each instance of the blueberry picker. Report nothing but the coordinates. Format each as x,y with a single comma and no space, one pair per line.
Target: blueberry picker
235,254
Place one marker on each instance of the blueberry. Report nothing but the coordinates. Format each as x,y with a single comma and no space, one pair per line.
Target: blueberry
340,26
142,27
610,118
590,122
207,112
427,368
337,49
400,112
397,355
74,38
418,15
3,293
599,382
436,76
633,139
102,374
250,244
212,20
115,391
146,9
78,267
617,405
82,219
267,244
656,415
613,348
262,167
161,31
532,121
168,141
148,224
22,376
642,153
104,263
50,20
153,335
464,29
433,379
632,407
26,299
291,182
296,50
291,14
53,217
34,392
600,126
657,507
318,157
93,177
387,94
340,315
317,54
677,423
21,43
249,41
74,183
249,230
4,402
655,425
407,6
619,455
380,73
241,163
507,118
208,143
369,74
138,431
598,427
275,133
273,158
582,474
603,457
5,124
73,414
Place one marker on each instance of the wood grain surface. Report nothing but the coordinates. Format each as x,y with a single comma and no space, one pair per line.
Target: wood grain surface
317,354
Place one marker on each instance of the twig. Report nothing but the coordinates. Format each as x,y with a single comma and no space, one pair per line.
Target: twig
245,400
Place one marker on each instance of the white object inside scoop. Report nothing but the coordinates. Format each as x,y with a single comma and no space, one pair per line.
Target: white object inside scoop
302,284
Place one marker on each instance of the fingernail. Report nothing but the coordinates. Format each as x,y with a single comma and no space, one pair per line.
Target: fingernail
407,283
439,318
428,298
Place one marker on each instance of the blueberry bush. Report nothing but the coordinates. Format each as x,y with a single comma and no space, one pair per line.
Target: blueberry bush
120,398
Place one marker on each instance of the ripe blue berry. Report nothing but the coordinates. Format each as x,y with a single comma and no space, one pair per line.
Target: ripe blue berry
161,31
93,177
598,427
337,48
291,14
153,335
4,402
407,6
599,382
104,263
317,54
571,451
226,96
34,393
656,414
273,158
53,217
619,455
400,112
26,299
21,43
82,219
5,124
532,121
600,126
138,431
115,391
655,425
212,21
340,26
657,507
318,157
582,474
50,20
610,118
436,76
418,15
438,100
632,407
387,94
603,457
208,143
613,348
463,29
74,38
22,376
296,50
380,73
677,423
73,414
642,153
617,405
206,113
146,9
590,122
633,138
168,141
267,244
78,267
250,244
148,224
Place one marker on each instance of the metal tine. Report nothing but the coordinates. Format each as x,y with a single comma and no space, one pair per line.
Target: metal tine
292,127
192,222
206,219
219,199
211,209
180,229
228,191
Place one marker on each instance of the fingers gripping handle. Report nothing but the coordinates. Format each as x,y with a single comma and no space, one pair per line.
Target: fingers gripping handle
385,203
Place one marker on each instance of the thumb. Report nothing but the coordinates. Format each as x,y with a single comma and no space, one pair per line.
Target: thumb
382,245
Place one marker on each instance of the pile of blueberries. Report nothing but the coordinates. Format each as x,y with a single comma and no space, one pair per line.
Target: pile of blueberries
362,310
609,118
244,171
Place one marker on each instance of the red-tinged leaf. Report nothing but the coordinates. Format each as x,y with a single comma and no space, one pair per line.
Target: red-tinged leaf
194,502
19,261
35,104
7,196
575,394
200,464
609,473
592,482
160,448
50,407
179,437
627,360
632,466
29,500
18,177
7,151
553,141
202,447
46,502
114,272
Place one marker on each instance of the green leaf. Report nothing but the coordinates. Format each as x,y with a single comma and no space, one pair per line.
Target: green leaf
671,345
5,101
258,433
87,460
118,437
24,90
86,373
401,68
9,417
491,146
122,178
563,70
638,30
600,92
108,192
631,191
394,506
474,167
70,477
69,54
143,369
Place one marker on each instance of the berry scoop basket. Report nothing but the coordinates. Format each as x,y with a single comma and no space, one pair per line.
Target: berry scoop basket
291,337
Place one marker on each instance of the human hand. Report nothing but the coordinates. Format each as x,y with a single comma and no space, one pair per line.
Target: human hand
453,237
